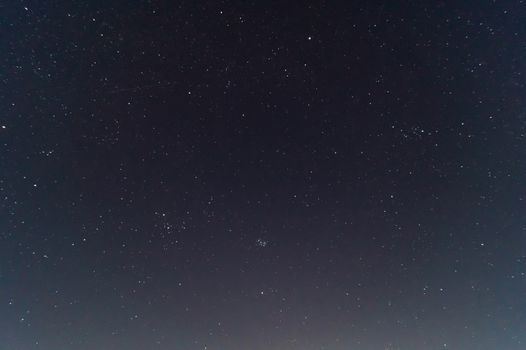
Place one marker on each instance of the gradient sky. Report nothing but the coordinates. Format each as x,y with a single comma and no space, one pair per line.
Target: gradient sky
260,175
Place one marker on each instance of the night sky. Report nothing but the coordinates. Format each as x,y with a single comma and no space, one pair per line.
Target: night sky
262,175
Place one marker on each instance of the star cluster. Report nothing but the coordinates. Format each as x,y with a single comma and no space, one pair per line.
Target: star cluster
228,175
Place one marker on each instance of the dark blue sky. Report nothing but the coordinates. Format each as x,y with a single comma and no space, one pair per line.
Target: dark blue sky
262,175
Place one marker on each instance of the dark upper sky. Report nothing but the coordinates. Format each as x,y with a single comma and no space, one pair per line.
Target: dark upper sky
262,175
